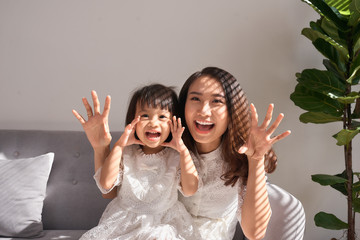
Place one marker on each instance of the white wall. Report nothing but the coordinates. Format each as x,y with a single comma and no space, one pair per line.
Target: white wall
52,53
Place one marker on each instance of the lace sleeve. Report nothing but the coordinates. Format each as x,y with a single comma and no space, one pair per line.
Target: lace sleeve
178,180
116,183
241,196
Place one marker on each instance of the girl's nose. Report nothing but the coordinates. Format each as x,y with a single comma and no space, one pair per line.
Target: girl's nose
153,122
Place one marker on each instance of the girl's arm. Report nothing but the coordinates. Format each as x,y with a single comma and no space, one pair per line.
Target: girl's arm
113,163
255,212
97,128
189,176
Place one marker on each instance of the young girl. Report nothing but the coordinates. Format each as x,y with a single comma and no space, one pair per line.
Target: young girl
146,173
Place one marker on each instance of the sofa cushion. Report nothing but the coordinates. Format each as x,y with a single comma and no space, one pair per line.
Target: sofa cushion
22,192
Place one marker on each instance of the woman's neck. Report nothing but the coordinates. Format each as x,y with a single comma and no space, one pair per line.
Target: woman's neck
207,147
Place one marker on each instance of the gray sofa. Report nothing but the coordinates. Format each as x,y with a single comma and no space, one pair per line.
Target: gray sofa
73,204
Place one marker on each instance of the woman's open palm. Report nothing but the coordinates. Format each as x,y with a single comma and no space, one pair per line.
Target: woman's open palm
260,140
97,126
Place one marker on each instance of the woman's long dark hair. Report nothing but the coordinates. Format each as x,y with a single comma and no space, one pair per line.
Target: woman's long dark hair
236,164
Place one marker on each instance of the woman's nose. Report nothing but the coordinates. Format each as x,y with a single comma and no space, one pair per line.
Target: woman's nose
205,108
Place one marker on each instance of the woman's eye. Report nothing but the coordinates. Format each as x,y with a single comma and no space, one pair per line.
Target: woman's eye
217,101
194,99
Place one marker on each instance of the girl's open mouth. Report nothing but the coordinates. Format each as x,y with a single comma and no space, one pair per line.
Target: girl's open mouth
152,135
203,126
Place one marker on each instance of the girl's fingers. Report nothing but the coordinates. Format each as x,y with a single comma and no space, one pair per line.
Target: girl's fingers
107,106
95,102
175,123
89,111
268,117
79,117
171,124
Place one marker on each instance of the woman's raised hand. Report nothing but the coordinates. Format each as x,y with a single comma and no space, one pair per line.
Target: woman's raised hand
97,126
128,137
177,130
260,141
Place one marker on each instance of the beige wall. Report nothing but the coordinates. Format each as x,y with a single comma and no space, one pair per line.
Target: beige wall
52,53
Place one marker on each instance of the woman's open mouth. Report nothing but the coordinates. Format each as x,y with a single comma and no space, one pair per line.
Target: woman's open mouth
152,135
203,126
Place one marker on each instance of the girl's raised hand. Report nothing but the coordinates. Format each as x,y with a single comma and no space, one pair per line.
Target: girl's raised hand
128,137
260,141
177,130
97,126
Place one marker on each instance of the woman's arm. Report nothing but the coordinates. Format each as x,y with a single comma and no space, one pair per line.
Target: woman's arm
255,212
189,176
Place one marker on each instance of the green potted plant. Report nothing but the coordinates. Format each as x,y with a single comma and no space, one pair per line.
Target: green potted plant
328,95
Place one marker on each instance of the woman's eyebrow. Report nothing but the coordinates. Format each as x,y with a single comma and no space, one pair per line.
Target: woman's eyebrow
195,93
213,95
218,95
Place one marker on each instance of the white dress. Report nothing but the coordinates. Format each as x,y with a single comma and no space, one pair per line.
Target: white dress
146,206
215,207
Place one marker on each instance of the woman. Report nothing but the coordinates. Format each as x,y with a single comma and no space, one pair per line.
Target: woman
231,152
229,149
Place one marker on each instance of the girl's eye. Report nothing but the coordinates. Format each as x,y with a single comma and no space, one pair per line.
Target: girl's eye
163,117
144,116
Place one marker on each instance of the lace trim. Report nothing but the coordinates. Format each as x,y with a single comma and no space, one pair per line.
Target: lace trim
116,183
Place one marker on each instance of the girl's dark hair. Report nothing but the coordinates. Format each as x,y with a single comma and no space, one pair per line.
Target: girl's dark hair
154,95
236,164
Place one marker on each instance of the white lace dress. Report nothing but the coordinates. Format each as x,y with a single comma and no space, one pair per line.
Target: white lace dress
147,205
215,207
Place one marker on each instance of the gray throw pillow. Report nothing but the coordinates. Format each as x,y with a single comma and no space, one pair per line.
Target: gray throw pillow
22,192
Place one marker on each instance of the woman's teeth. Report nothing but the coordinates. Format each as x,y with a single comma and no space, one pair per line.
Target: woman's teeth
204,126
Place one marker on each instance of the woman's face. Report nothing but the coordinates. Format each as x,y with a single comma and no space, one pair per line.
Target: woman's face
206,113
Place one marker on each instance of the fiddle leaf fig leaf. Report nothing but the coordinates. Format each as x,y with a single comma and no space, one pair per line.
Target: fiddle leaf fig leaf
341,5
332,31
326,180
315,102
345,136
341,187
329,221
329,12
318,118
350,98
356,205
313,35
354,12
331,53
324,82
334,69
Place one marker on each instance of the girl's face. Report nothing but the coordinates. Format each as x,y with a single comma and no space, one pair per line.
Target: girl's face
206,113
153,127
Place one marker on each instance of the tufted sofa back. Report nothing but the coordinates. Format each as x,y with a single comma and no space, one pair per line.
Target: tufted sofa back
72,198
